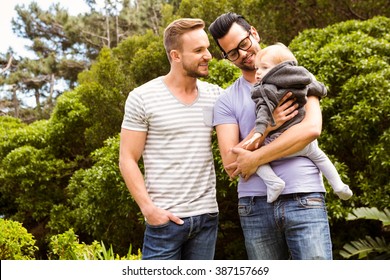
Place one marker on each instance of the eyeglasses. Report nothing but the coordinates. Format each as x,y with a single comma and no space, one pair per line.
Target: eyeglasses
244,45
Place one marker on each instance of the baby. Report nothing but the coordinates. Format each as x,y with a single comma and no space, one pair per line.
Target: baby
278,73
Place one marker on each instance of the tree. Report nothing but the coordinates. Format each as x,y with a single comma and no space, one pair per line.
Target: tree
10,78
281,21
52,48
64,45
9,63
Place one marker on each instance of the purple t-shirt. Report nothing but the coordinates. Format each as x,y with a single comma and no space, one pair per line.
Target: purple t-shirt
300,173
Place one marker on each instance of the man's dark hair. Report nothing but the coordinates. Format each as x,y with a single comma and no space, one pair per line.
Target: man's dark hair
221,26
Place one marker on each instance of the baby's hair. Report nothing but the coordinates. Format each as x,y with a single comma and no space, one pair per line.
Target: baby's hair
279,52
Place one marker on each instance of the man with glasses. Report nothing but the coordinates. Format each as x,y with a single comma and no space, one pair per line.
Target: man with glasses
244,45
296,224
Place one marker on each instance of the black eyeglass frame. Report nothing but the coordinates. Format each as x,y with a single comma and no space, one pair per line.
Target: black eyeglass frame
226,55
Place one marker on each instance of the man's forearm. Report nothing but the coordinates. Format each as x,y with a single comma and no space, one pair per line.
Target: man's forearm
295,138
136,184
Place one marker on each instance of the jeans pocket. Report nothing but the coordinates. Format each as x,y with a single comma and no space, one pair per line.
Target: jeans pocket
308,201
213,215
244,210
158,226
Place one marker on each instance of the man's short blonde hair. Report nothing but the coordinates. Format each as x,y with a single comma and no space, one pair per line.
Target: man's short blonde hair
174,31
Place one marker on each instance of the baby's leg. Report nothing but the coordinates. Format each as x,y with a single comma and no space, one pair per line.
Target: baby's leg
274,184
329,170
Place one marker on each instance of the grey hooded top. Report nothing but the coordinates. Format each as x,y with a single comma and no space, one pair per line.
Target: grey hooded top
283,78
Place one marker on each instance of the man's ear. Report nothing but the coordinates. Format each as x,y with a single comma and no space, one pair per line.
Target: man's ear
175,55
255,34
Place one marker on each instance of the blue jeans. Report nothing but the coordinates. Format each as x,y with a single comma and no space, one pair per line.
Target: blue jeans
295,226
194,240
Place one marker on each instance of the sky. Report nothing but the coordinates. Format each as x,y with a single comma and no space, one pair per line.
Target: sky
7,12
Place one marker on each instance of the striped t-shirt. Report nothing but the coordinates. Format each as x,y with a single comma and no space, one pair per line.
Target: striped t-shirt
179,168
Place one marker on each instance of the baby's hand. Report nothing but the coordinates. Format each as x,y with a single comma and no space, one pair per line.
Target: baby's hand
253,142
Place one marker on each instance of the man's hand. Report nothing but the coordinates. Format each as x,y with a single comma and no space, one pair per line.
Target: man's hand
158,216
245,164
253,143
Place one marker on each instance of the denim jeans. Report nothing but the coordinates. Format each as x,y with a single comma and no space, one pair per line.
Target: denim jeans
295,226
194,240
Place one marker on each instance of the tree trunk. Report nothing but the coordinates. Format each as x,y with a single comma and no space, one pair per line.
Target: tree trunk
49,101
108,31
39,109
8,65
15,102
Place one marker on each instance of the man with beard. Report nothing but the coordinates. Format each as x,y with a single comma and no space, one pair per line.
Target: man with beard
295,225
168,121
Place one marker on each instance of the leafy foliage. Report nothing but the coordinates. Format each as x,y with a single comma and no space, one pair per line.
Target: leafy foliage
32,180
364,247
61,173
66,246
15,242
371,213
141,57
222,73
282,21
65,45
352,59
370,247
99,203
67,125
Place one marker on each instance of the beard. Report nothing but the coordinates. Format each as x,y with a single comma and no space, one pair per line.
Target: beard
246,67
194,72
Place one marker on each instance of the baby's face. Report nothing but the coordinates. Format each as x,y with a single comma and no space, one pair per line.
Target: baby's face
263,64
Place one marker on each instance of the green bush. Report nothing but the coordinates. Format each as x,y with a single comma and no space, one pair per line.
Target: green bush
15,242
352,59
99,206
66,246
222,73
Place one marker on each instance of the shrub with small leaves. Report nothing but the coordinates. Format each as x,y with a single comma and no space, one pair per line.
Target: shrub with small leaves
15,242
66,246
